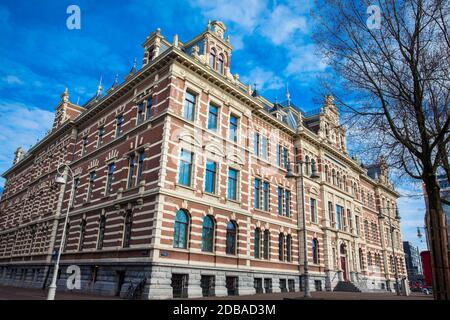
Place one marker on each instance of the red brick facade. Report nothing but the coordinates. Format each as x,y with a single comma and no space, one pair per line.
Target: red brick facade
121,228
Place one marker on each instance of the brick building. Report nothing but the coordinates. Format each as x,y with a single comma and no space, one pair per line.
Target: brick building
180,185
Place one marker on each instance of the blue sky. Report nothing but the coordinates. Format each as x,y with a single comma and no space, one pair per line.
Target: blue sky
39,57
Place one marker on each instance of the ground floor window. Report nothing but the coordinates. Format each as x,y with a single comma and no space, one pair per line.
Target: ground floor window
291,285
180,285
232,284
283,286
258,285
318,285
208,286
268,285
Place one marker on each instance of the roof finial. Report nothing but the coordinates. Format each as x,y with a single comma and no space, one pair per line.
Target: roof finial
99,87
65,95
288,95
116,81
134,68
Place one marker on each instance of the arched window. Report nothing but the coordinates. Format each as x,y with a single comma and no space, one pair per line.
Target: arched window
101,232
361,259
212,58
257,243
307,164
315,251
333,173
220,64
281,247
127,230
327,174
231,238
266,244
289,248
180,230
207,234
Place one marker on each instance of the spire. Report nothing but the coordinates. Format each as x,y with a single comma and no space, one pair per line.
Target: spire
255,91
116,81
288,95
134,68
65,95
18,155
99,88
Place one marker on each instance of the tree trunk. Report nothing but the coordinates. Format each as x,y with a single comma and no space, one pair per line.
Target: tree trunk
438,241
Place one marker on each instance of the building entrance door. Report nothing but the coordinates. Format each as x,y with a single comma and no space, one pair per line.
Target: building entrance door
344,268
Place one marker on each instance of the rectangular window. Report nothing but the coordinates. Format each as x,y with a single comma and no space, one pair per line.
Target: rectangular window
76,183
84,145
232,183
233,128
92,177
256,144
257,193
287,202
189,106
278,155
265,196
264,150
313,205
280,201
140,114
210,177
185,168
212,117
109,178
357,226
131,165
149,108
101,134
285,158
140,167
330,212
119,123
339,212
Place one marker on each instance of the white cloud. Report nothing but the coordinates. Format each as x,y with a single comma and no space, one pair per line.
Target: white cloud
411,206
245,13
264,79
21,126
304,59
12,79
282,23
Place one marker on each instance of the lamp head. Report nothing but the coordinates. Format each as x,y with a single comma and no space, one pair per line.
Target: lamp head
289,173
314,174
60,180
397,214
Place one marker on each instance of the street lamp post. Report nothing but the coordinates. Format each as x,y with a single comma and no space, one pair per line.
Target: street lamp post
391,229
290,174
62,180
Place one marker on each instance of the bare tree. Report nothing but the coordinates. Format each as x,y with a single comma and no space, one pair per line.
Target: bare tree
395,70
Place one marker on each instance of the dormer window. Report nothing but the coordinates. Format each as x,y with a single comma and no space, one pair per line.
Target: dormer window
212,58
220,64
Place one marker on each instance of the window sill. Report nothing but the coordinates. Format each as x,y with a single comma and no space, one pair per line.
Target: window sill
211,194
177,185
233,201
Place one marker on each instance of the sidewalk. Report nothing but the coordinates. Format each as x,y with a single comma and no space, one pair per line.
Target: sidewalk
13,293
